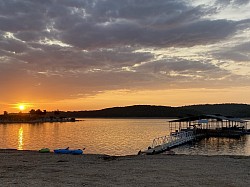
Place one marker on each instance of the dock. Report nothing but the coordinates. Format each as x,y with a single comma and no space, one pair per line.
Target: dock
164,143
195,128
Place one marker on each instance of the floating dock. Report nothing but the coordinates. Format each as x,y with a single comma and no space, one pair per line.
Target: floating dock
195,128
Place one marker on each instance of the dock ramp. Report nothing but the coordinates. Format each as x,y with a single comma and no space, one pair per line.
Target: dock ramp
163,143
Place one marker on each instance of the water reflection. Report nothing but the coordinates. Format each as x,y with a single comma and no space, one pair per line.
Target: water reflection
109,136
20,138
217,146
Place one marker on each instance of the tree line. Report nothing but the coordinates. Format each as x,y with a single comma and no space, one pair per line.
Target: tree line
232,110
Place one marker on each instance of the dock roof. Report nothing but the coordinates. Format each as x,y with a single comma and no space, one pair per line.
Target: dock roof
217,117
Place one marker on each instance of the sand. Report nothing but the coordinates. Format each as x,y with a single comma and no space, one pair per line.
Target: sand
30,168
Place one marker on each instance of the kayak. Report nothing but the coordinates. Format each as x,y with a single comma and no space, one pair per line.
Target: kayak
77,152
68,151
44,150
62,151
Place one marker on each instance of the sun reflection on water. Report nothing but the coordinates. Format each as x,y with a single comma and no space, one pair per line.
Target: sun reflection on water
20,138
111,137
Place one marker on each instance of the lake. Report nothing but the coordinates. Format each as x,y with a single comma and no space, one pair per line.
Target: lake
110,136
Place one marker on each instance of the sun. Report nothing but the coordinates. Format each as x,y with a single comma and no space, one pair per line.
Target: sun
22,107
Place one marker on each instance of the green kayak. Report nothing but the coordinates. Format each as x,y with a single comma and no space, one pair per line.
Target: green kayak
44,150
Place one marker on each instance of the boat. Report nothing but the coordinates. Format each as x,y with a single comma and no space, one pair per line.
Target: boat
69,151
44,150
62,151
247,131
77,152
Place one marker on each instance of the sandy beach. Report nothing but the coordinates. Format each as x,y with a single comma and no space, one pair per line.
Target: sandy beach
31,168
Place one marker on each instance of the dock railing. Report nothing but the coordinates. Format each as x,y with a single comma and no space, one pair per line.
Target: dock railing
174,139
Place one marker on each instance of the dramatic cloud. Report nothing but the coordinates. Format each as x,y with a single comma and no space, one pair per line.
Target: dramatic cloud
58,49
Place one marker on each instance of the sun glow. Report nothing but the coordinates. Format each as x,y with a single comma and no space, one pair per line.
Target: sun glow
22,107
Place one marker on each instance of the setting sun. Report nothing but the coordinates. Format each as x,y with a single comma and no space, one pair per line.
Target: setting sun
21,107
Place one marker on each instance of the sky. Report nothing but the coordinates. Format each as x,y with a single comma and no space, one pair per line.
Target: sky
93,54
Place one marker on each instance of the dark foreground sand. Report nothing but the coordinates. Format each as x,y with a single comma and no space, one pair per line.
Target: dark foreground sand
29,168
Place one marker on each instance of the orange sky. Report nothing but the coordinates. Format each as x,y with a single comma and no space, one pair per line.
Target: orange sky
125,98
84,55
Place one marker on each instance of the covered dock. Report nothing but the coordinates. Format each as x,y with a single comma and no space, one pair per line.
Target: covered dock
195,128
211,125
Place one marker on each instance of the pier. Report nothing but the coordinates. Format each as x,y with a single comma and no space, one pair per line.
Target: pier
195,128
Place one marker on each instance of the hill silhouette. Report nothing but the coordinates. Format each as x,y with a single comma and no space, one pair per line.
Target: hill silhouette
150,111
229,109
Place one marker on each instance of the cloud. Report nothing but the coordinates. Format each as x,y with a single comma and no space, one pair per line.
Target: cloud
85,46
155,24
233,2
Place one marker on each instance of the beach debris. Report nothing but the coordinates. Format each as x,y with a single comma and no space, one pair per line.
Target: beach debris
108,157
62,161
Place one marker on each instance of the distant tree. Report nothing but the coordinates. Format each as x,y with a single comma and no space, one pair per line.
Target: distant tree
39,112
32,111
5,113
56,112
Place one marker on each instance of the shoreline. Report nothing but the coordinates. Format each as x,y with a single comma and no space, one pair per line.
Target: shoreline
25,168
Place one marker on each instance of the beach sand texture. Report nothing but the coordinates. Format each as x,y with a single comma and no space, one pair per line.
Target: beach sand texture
30,168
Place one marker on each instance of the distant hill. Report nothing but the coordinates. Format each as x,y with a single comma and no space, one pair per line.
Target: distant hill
234,110
149,111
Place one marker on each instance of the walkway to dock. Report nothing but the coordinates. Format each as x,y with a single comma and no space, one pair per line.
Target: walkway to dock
164,143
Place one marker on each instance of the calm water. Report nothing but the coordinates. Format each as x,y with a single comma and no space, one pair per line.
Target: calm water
110,136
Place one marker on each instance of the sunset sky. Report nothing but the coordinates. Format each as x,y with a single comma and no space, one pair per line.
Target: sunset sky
93,54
